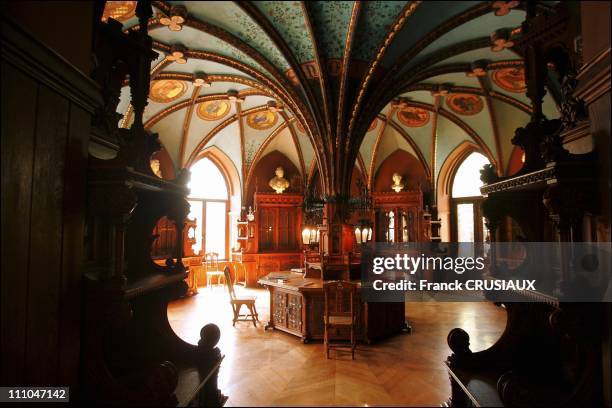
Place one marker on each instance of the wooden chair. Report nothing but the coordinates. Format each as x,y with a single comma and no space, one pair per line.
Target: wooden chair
237,302
211,264
239,270
340,311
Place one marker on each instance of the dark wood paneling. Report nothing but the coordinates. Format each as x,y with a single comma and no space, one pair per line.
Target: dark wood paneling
72,246
46,237
18,127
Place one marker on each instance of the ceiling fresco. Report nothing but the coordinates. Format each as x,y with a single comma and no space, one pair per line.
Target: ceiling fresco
345,80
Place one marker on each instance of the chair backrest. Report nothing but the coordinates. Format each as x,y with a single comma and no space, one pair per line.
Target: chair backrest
228,282
211,260
238,270
340,299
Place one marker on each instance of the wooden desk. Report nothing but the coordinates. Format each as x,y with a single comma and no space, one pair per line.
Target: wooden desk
297,306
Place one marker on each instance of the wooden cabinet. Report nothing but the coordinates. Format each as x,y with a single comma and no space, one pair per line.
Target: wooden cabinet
399,217
279,221
287,311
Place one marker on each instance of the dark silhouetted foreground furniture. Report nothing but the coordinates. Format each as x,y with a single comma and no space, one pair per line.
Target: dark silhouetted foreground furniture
237,302
340,312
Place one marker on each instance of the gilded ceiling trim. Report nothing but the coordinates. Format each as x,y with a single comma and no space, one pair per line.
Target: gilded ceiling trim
396,126
362,167
395,27
187,123
346,62
434,143
470,14
280,43
242,141
464,126
311,170
225,36
388,89
486,88
296,142
202,98
471,90
202,143
381,132
324,91
296,105
262,148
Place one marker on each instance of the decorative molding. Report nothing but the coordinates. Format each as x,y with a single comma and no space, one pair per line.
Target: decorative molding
28,54
381,132
216,130
486,87
395,27
261,149
186,124
594,78
296,142
202,98
346,62
410,141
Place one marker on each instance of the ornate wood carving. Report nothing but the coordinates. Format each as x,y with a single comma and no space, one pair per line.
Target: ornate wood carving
131,354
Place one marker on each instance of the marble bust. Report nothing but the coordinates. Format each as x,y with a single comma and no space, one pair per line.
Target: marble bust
397,185
279,183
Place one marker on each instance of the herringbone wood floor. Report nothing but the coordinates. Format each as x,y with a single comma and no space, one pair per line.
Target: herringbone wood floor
269,368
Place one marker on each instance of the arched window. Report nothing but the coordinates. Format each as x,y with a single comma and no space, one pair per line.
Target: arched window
468,225
209,200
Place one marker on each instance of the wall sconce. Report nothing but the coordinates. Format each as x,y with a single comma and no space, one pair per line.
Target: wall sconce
363,233
310,235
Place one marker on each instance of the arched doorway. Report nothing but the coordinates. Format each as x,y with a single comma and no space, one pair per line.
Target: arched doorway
209,200
466,215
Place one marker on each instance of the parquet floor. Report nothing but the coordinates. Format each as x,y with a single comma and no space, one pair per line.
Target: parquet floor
272,368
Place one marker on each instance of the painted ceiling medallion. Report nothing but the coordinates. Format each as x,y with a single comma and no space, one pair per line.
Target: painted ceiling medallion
511,79
413,117
166,90
262,120
213,110
464,104
373,125
119,10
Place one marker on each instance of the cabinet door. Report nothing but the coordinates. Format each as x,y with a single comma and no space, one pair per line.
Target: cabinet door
266,229
279,308
294,312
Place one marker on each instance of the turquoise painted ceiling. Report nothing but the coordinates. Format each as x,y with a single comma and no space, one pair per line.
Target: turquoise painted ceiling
290,53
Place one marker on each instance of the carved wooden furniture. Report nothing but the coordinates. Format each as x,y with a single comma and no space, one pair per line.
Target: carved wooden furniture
340,311
550,352
297,306
238,302
399,217
239,273
211,268
273,240
131,355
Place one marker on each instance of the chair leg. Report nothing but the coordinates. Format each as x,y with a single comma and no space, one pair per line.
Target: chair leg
236,313
252,315
255,310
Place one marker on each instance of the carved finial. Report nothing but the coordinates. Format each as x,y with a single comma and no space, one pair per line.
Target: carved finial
488,174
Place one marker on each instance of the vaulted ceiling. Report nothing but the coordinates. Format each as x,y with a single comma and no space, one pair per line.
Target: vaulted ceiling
334,83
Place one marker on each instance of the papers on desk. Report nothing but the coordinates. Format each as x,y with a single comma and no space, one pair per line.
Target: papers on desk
282,277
